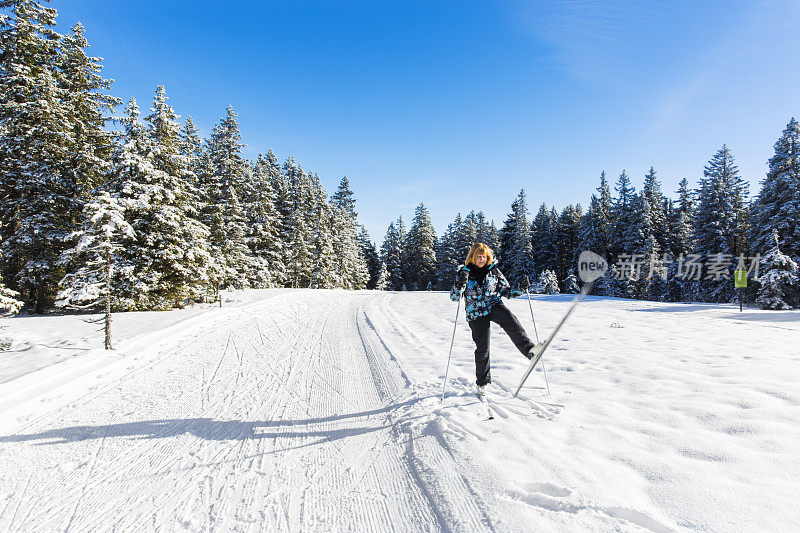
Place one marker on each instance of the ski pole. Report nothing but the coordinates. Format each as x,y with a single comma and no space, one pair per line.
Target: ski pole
447,370
527,291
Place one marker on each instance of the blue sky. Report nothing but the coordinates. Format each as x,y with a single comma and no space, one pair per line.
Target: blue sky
460,104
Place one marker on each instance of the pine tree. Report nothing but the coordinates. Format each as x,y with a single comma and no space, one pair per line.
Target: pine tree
97,252
448,255
328,264
778,283
621,214
222,172
720,208
420,251
641,242
97,245
352,269
515,242
596,224
657,203
547,283
382,283
571,285
544,240
568,240
681,229
191,147
169,255
40,202
370,254
9,304
264,224
466,235
392,254
777,206
487,233
344,199
88,109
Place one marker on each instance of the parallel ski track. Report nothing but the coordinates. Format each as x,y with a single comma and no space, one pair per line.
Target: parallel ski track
288,420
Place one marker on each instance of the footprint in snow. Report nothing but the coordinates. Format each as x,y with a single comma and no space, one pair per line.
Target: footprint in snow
549,489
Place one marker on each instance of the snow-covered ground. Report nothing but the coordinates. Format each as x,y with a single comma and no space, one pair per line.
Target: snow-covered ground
320,411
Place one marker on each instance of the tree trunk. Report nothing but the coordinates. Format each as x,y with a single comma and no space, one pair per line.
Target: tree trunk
39,310
108,300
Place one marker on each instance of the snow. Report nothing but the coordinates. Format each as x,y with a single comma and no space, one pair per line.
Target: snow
320,411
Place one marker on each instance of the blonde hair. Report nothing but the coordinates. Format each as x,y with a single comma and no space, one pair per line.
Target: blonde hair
479,249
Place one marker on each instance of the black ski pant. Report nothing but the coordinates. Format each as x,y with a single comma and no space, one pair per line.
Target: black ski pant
500,315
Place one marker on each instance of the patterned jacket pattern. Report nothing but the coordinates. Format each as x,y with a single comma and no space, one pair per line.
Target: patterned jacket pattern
480,298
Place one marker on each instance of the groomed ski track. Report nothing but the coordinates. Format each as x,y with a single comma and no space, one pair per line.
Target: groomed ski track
316,410
289,415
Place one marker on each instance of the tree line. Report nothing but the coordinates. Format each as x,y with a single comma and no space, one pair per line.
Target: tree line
662,248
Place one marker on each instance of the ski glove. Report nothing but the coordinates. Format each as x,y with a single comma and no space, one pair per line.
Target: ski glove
525,283
463,276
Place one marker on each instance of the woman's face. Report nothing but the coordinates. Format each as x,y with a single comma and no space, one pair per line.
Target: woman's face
480,260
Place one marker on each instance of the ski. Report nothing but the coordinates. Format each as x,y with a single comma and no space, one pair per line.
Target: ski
538,354
590,267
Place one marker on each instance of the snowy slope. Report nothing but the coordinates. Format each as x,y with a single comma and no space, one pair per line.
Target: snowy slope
320,411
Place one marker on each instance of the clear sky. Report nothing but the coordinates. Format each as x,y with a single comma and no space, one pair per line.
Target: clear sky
460,104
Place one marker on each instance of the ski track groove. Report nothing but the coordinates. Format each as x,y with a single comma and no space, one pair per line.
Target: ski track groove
355,449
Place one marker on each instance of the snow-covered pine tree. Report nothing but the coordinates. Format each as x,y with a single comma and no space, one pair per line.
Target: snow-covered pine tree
420,251
568,240
447,259
515,242
721,202
778,282
482,228
222,211
621,216
392,254
544,240
9,304
344,198
596,224
466,236
88,108
327,273
191,147
571,285
177,240
352,269
382,283
680,224
40,202
640,241
258,274
777,206
298,205
547,283
96,254
681,242
487,233
657,202
169,256
263,232
370,254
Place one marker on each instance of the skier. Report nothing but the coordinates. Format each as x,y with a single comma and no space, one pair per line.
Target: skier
483,285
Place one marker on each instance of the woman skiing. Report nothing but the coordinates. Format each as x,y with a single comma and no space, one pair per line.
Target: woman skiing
483,284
